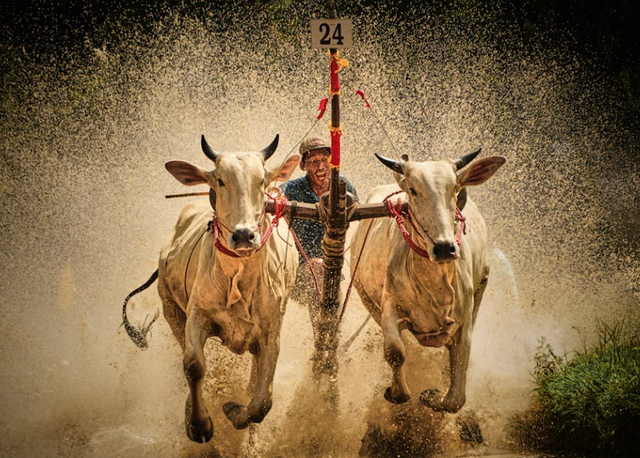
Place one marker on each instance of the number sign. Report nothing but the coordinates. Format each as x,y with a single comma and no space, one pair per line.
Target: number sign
331,33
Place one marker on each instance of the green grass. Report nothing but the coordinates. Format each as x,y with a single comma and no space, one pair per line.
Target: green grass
589,403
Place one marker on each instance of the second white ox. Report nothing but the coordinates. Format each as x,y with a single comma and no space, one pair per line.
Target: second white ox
437,297
239,295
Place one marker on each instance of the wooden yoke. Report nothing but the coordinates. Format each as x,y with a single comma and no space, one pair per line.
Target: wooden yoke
357,213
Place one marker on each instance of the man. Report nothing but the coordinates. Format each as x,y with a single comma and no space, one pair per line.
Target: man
308,188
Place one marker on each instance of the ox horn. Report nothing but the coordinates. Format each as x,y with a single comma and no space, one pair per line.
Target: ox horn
211,154
393,165
269,150
464,160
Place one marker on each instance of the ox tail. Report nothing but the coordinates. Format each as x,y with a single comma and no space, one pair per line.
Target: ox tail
139,334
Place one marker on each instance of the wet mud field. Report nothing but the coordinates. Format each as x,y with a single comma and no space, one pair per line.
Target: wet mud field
83,217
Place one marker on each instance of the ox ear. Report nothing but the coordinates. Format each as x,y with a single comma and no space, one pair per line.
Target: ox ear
480,171
461,199
283,171
187,174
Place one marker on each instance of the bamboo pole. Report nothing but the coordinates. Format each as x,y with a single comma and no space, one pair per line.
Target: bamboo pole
333,208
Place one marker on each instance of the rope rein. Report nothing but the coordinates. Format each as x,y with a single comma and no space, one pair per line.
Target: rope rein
355,270
304,255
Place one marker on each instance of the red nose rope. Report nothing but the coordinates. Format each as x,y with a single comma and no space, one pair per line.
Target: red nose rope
280,202
399,215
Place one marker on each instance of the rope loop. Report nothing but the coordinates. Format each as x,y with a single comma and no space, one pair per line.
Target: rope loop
280,202
463,226
397,214
216,237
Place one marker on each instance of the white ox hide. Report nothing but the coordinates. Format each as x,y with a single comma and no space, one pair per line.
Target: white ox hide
206,292
435,298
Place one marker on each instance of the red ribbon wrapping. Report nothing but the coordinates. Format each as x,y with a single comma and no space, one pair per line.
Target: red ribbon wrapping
361,94
335,147
322,107
336,132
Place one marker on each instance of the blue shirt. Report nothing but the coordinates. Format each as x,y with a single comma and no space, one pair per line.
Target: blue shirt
309,232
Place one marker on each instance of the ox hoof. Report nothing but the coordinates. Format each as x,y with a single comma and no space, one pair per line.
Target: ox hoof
435,400
236,414
388,395
201,431
200,435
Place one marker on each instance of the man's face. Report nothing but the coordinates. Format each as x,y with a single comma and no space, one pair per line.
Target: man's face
317,167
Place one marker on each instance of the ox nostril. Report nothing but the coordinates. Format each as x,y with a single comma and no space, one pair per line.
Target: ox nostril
252,236
444,250
241,236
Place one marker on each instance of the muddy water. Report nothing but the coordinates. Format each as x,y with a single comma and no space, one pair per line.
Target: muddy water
83,218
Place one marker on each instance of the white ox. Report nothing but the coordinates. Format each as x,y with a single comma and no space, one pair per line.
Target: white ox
207,292
435,298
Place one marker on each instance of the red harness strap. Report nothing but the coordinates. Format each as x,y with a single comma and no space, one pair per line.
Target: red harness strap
216,238
396,212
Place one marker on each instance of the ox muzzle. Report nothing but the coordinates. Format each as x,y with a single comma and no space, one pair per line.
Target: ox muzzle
443,252
244,241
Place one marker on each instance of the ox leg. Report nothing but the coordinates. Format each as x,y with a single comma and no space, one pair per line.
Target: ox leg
458,361
253,377
173,314
459,352
198,422
176,319
369,304
477,298
394,353
261,401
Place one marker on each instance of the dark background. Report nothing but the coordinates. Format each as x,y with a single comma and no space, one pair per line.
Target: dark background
603,31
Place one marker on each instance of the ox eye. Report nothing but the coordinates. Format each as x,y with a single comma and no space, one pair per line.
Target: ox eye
220,183
413,192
